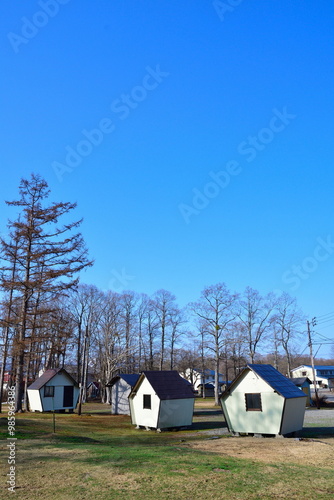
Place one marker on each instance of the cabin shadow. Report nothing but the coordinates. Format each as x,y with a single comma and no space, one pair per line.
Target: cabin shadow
315,432
204,426
206,413
212,419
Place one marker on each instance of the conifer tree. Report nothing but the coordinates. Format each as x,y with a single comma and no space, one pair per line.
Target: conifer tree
48,257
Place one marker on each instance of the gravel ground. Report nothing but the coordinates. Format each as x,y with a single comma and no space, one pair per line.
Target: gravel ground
322,418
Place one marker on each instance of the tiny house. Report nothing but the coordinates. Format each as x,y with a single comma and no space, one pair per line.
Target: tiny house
260,400
120,388
304,384
54,390
161,400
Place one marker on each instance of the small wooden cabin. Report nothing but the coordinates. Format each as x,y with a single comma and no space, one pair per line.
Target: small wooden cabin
54,390
120,388
93,390
304,384
161,400
260,400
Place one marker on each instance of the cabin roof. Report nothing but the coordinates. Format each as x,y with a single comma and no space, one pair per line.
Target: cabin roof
277,381
300,380
281,384
129,378
167,384
47,376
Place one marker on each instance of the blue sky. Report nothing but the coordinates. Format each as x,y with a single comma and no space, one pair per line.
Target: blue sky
196,138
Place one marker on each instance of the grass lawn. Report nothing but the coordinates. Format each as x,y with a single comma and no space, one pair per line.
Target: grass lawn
98,455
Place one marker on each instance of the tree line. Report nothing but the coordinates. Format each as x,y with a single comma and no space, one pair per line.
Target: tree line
49,319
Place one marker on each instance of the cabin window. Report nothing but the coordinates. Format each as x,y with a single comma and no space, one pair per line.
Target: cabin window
303,374
253,402
147,401
49,391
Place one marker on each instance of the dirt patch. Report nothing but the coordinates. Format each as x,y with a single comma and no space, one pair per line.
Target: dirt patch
273,450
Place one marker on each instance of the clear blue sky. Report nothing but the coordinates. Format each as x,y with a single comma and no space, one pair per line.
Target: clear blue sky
214,156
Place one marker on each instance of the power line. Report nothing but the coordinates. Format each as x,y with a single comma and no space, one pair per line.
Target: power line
323,336
325,320
323,315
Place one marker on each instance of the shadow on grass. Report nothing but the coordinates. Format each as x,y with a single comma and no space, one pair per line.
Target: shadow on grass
316,432
205,413
204,426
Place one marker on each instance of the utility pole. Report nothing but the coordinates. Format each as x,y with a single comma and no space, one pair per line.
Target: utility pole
312,361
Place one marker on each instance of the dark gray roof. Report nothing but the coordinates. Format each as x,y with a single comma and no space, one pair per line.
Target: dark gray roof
277,381
300,380
47,376
130,378
168,384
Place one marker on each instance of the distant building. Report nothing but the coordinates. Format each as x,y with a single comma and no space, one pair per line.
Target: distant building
324,374
199,377
93,390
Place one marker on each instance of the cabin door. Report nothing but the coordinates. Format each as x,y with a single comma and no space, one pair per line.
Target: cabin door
68,396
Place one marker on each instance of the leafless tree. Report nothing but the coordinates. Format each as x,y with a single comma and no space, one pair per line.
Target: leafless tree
254,314
288,320
164,305
216,308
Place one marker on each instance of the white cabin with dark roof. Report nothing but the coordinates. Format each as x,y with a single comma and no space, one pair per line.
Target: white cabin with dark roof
54,390
260,400
161,400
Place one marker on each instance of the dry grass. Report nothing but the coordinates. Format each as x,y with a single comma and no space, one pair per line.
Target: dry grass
98,455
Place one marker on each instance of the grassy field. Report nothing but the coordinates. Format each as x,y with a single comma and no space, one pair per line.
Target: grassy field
98,455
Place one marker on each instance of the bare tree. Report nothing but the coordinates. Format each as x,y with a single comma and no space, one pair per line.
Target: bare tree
254,315
87,311
216,308
128,302
288,320
164,304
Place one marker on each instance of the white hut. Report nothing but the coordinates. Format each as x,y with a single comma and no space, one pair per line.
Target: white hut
120,388
161,400
55,390
260,400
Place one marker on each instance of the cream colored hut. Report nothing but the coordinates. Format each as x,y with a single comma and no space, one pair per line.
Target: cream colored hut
55,390
260,400
161,400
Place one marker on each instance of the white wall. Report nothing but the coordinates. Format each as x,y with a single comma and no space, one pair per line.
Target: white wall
293,417
140,415
176,413
34,400
119,398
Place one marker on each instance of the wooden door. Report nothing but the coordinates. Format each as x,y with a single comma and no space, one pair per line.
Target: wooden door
68,396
